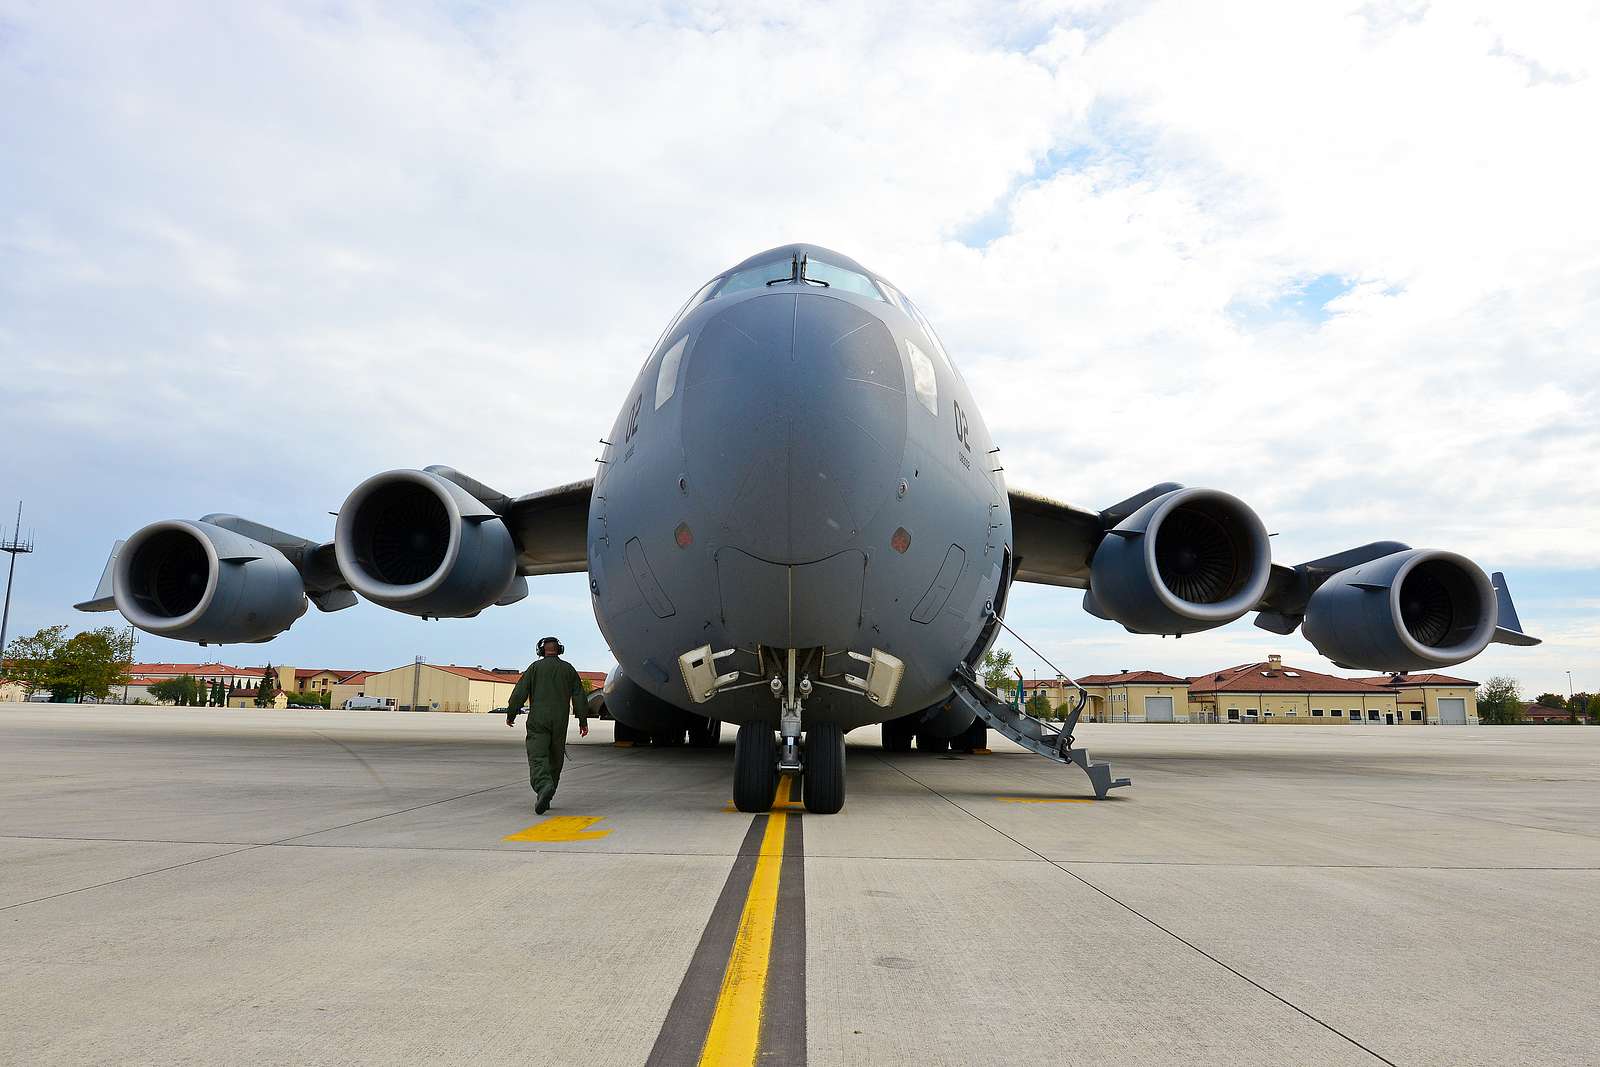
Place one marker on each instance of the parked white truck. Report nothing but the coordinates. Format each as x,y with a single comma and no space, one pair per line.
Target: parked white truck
369,704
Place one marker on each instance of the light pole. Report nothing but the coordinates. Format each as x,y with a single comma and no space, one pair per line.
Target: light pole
17,547
1569,687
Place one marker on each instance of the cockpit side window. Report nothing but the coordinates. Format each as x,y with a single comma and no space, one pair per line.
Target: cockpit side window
923,378
819,270
667,376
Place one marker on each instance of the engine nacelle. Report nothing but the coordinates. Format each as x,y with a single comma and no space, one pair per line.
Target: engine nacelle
1189,560
1412,610
417,543
193,581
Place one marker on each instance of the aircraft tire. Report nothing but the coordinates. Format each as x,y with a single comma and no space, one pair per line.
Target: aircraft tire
925,743
823,785
755,767
705,734
972,738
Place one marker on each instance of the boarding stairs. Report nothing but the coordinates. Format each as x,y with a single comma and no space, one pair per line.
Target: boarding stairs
1051,740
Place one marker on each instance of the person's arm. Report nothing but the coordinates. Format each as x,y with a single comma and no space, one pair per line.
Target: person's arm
580,704
519,697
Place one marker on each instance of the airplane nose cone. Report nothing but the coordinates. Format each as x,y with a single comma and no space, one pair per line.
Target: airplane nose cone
794,423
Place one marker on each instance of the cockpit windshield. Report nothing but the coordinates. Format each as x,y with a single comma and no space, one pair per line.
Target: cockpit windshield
818,270
758,276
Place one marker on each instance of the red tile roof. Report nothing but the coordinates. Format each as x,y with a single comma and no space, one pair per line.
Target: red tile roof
1544,713
1132,678
1404,681
478,674
1275,678
354,677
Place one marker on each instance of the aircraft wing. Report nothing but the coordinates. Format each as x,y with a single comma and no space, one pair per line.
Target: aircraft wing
1054,541
551,528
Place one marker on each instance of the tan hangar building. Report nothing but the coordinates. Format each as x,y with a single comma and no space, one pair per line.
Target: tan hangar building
435,687
1127,696
1275,693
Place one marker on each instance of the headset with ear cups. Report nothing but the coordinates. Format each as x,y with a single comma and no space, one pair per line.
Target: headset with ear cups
560,648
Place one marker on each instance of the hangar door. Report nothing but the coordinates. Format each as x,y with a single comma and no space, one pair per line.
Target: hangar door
1453,711
1157,709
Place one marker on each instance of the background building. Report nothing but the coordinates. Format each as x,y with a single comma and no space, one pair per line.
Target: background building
1272,692
1432,698
433,687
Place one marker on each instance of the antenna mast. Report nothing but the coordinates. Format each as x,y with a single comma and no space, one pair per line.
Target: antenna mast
16,546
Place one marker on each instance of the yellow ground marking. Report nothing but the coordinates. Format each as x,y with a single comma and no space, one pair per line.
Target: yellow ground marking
561,828
1048,800
622,744
782,803
735,1032
983,752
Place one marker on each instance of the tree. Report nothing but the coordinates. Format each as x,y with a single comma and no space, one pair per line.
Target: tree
1594,707
1039,706
90,664
1499,701
219,696
268,688
184,690
28,659
997,669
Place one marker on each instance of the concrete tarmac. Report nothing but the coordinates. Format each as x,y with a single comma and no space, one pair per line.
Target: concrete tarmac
188,886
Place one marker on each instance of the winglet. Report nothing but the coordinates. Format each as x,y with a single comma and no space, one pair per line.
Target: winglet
102,599
1509,630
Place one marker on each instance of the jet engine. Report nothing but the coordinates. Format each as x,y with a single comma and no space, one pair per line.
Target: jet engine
1189,560
193,581
1411,610
418,543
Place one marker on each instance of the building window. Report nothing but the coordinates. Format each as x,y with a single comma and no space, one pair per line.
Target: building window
1336,713
1233,713
1316,713
1372,715
1416,715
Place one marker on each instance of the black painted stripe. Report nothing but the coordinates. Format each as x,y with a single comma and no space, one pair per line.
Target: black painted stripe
783,1016
683,1033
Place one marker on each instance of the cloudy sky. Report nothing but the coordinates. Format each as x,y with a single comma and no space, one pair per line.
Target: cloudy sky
1342,260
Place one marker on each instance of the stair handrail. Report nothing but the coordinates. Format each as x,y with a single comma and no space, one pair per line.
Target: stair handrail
1063,733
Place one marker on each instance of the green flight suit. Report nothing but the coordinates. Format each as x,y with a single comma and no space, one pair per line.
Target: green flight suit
549,687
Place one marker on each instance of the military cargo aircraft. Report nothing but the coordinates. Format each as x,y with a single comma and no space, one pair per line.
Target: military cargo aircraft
798,525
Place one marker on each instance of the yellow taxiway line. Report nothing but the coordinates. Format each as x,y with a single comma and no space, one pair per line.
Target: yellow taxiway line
735,1032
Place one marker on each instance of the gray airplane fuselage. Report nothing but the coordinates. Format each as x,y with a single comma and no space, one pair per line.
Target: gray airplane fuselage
798,466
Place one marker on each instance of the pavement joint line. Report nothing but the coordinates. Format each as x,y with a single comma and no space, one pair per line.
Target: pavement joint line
235,852
1036,858
1481,818
1130,909
130,877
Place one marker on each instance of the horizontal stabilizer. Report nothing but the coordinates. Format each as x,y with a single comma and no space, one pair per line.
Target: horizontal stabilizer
1509,628
102,599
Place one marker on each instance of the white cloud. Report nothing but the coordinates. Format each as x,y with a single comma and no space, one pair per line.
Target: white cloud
250,255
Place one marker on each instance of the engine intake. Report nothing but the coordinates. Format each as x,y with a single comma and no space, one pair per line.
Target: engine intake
1189,560
421,544
1412,610
193,581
